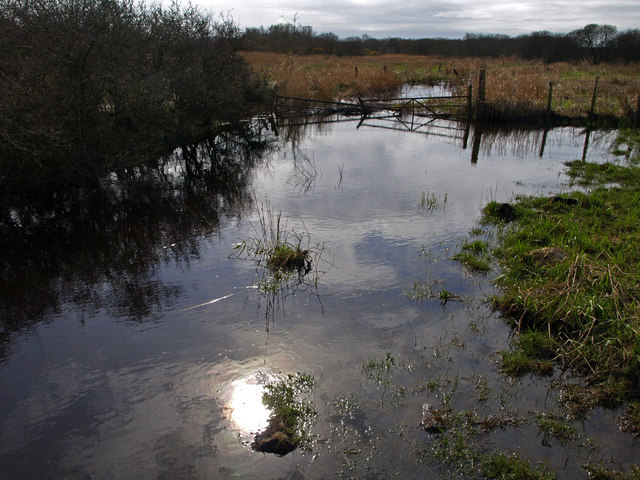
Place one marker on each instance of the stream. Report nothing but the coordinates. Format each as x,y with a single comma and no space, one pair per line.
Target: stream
137,343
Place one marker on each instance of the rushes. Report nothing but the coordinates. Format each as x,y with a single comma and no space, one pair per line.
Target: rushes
322,77
515,88
280,254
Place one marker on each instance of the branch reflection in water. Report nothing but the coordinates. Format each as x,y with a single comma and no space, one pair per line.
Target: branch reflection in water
107,241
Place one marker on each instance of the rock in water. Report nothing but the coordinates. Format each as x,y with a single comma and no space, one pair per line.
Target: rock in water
275,439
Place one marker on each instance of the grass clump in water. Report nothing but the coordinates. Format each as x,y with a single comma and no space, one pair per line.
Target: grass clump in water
512,467
280,254
557,427
474,256
292,415
287,257
472,262
532,352
572,274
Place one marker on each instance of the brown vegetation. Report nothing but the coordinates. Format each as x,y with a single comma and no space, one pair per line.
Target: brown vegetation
514,87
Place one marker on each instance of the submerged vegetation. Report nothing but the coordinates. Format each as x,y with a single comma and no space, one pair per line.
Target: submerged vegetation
454,444
572,270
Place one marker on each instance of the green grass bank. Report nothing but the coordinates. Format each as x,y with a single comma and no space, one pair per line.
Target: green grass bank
571,283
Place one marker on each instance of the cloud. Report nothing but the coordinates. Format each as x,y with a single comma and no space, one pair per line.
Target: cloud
432,18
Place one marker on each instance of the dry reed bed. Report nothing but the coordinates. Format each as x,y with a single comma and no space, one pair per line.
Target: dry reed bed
514,86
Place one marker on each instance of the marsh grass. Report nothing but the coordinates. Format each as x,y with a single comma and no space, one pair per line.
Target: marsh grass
557,427
453,443
582,311
324,77
430,201
516,89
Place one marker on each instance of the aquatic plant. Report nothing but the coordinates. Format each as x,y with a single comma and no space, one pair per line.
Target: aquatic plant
558,427
292,414
429,201
473,262
285,253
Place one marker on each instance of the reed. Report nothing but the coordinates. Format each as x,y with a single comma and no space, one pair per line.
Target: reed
515,88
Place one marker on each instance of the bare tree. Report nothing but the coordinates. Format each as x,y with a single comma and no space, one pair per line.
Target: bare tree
595,40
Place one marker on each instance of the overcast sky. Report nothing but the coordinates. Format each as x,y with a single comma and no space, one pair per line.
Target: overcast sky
431,18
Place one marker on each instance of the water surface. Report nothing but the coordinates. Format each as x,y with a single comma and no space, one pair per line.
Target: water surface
139,346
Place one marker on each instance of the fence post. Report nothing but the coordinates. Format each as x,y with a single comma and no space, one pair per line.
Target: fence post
595,95
482,86
636,120
549,99
470,102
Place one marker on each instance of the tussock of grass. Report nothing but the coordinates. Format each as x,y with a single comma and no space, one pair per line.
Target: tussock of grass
557,427
512,467
474,263
589,302
600,472
476,246
286,257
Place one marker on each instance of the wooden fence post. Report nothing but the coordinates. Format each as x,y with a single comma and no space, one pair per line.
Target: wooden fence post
595,96
636,120
482,86
549,98
470,102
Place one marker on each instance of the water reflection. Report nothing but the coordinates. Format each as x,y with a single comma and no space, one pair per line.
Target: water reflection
485,138
247,412
161,378
102,248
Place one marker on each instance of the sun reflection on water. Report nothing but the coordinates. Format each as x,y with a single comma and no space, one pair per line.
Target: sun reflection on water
247,411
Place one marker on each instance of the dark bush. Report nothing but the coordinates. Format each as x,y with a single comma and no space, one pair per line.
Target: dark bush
90,87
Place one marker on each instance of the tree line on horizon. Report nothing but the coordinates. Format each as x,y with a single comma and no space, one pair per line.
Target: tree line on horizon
594,43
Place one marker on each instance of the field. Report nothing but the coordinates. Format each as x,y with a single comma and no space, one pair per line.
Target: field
514,88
